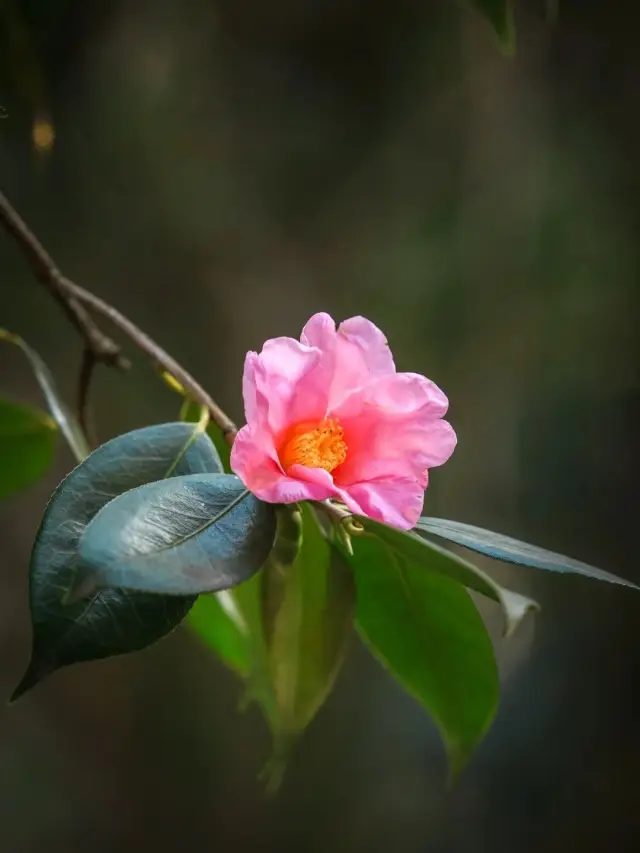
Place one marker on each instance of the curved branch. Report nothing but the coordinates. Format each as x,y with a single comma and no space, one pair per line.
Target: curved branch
100,348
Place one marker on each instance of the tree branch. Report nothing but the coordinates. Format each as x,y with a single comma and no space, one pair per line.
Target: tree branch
87,367
73,298
45,270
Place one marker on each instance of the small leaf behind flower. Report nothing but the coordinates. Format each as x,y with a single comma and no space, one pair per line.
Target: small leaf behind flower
427,632
190,412
27,445
435,559
181,536
308,597
511,550
219,623
112,622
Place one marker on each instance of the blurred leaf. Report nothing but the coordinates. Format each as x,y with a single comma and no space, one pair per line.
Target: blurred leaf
180,536
426,631
191,412
436,559
308,600
60,412
499,13
113,622
219,623
510,550
27,444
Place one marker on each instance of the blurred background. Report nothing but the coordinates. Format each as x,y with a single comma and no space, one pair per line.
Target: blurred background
222,170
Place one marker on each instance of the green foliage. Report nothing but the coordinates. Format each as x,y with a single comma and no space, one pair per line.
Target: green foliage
27,445
180,536
308,599
191,412
219,623
113,621
427,632
435,559
511,550
499,13
60,412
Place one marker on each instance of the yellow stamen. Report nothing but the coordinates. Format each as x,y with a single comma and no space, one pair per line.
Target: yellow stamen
315,444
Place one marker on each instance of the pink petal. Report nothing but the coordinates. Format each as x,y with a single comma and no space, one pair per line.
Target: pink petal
360,334
253,460
281,385
393,428
396,501
351,356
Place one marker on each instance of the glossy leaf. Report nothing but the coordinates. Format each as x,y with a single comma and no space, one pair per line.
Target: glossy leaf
191,412
112,622
427,632
220,624
436,559
60,412
308,600
499,14
27,445
181,536
511,550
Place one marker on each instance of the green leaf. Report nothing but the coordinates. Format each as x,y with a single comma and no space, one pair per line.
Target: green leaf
66,420
499,13
220,624
181,536
191,412
113,622
427,632
511,550
308,599
436,559
27,444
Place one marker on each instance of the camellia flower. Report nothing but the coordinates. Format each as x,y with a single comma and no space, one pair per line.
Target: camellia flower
329,417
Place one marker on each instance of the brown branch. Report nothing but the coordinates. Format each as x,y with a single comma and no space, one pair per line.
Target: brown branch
73,298
87,367
45,270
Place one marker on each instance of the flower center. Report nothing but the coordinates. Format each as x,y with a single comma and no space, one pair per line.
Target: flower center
315,444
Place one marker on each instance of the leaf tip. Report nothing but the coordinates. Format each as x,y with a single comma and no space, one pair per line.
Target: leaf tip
35,672
273,772
516,607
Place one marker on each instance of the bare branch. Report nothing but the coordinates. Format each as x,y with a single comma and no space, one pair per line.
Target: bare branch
45,270
99,347
158,356
85,419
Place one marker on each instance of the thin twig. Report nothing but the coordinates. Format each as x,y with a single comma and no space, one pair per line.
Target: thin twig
73,298
85,418
45,270
157,355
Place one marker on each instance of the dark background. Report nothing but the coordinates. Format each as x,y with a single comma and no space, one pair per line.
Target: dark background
222,170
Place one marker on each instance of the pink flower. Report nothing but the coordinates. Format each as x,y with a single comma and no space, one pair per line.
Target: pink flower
329,417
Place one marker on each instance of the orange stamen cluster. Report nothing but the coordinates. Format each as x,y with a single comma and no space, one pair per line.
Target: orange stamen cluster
315,444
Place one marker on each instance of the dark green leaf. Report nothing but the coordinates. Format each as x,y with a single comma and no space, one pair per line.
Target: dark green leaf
510,550
219,622
113,622
66,420
436,559
426,631
181,536
191,412
308,600
499,13
27,444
